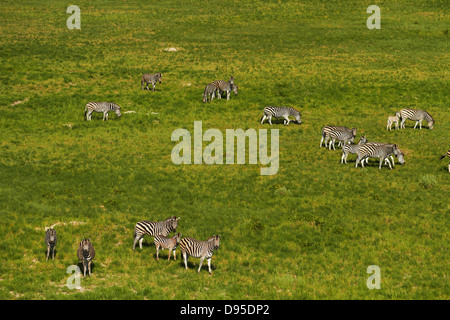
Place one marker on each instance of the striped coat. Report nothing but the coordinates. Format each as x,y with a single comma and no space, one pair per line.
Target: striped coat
199,249
152,229
86,254
417,115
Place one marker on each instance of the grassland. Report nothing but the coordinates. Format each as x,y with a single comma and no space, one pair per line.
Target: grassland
308,232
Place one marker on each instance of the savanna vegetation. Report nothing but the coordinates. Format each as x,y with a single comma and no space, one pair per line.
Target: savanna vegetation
308,232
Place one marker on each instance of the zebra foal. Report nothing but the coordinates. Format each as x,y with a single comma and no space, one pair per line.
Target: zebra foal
104,107
152,79
50,241
154,229
210,91
417,115
167,243
280,112
199,249
351,148
448,156
86,254
393,119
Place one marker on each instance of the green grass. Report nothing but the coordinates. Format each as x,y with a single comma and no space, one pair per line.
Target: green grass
308,232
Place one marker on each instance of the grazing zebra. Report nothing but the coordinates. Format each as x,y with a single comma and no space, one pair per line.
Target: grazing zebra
210,91
416,115
154,229
393,119
150,78
104,107
167,243
199,249
386,161
343,134
50,240
280,112
86,254
351,148
223,86
448,156
382,151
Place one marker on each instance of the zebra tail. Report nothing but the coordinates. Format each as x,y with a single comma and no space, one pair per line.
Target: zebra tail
85,111
442,157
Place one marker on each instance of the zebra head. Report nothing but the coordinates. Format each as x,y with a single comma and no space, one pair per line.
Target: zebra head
399,154
216,240
298,117
205,97
235,89
178,237
85,244
159,75
173,222
430,124
51,236
117,111
397,114
362,140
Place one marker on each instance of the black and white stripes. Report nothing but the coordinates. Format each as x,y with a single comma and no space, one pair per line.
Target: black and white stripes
199,249
104,107
280,112
339,133
86,254
154,229
448,156
50,241
378,150
417,115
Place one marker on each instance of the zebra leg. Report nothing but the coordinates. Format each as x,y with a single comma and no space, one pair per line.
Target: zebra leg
157,253
392,159
89,268
53,253
140,242
269,117
209,265
263,118
185,259
153,87
321,140
138,237
107,116
104,115
228,95
286,122
402,124
175,254
201,262
48,252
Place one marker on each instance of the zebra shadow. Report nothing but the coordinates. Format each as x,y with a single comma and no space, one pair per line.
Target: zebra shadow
279,121
50,256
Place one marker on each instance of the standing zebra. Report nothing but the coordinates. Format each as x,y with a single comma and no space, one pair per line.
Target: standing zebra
343,134
393,119
210,91
86,254
154,229
351,148
382,151
386,161
448,156
280,112
167,243
199,249
150,78
50,240
223,86
416,115
104,107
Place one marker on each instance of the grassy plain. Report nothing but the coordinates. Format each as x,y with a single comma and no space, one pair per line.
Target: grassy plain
308,232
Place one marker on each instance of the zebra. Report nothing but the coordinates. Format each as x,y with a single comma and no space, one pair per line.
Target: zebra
223,86
351,148
280,112
386,161
50,241
448,156
86,254
154,229
343,134
382,151
150,78
167,243
210,90
416,115
199,249
393,119
104,107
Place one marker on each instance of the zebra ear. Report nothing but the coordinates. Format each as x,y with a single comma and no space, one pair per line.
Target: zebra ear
178,218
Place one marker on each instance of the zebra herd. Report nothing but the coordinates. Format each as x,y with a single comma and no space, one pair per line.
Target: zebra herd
364,149
159,230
